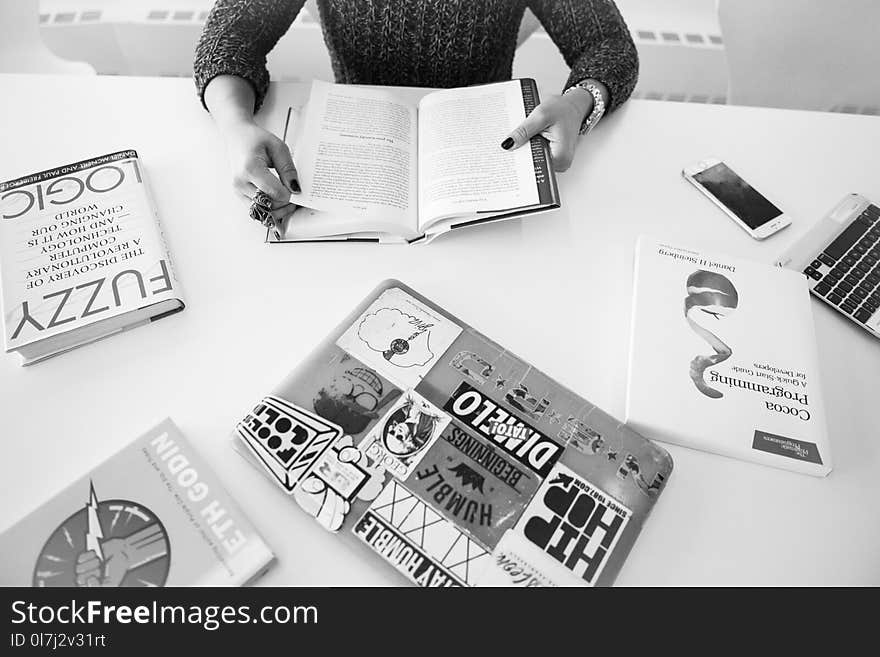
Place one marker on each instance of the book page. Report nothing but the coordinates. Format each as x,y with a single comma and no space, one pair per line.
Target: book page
355,151
462,167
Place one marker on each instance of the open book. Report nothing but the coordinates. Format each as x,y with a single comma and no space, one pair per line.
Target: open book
373,165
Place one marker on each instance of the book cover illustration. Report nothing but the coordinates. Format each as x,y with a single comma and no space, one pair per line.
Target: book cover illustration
713,295
731,341
106,543
441,443
151,515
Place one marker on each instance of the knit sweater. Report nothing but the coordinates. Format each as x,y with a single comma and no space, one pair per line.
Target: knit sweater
423,43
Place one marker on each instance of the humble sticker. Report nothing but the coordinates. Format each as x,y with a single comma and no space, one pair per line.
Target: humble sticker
474,484
418,542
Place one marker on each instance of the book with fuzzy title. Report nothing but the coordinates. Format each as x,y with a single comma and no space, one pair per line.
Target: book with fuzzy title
82,256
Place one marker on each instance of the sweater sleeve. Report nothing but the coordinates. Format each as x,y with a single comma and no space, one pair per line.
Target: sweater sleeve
237,36
594,41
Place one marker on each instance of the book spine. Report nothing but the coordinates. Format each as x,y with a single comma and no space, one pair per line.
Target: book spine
544,176
162,241
66,169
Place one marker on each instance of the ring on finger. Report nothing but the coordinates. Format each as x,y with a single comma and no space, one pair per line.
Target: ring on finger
262,198
261,214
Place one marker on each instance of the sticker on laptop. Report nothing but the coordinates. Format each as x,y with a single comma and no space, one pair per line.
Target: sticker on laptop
574,522
341,474
400,337
474,484
476,410
518,563
405,434
418,542
286,439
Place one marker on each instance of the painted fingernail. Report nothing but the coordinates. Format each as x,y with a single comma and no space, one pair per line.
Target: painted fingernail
507,143
294,186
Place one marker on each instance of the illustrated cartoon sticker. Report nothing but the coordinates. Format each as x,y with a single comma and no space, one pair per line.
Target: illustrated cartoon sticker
400,337
105,543
407,533
287,439
574,522
353,397
342,473
400,439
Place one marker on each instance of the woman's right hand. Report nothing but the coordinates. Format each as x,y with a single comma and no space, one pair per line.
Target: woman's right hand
252,152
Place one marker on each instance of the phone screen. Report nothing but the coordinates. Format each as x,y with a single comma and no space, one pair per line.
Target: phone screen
737,195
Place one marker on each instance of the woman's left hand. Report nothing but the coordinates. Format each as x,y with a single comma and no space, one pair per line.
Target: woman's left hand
558,119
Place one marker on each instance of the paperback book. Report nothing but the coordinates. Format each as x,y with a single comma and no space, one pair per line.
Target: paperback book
413,436
154,514
374,165
82,256
723,358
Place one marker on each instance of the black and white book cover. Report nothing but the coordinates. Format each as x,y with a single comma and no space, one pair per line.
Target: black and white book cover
153,514
723,358
83,256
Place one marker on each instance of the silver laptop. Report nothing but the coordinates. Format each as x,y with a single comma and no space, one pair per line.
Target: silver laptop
841,259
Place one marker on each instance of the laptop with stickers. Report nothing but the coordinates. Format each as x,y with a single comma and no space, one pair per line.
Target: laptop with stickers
414,436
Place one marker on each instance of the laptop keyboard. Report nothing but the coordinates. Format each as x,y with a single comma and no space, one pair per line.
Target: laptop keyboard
853,281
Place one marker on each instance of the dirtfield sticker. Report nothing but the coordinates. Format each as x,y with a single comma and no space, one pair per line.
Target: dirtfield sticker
474,484
405,434
517,563
400,337
417,541
286,439
574,522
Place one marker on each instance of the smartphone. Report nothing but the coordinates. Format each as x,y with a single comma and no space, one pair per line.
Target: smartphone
738,199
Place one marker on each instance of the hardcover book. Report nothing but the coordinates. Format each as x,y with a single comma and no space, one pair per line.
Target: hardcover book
723,358
82,256
411,435
154,514
375,165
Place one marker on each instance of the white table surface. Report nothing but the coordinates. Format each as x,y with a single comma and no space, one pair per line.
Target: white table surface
555,289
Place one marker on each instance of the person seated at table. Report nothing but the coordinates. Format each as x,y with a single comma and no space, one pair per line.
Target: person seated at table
420,43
